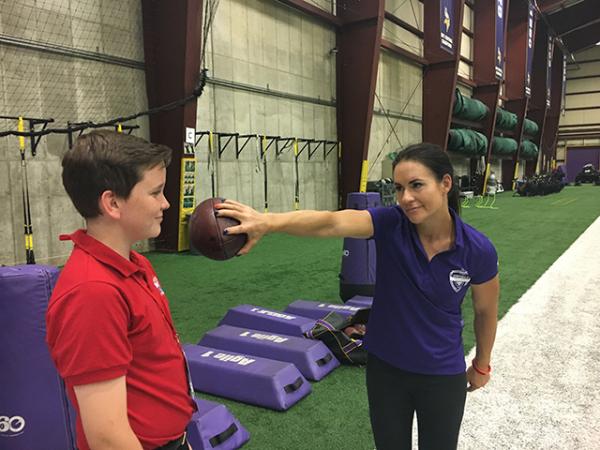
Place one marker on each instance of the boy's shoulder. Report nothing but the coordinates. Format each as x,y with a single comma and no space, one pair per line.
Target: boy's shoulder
80,269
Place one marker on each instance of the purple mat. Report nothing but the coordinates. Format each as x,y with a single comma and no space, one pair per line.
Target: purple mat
257,318
214,427
250,379
34,409
318,310
312,358
360,301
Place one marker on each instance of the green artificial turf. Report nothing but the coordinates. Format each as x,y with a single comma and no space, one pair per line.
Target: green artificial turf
529,234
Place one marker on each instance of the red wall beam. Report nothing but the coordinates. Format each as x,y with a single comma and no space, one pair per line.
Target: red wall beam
358,43
484,67
440,76
549,138
516,71
537,104
172,37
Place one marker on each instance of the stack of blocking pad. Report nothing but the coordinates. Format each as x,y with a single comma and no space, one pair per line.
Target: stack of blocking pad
259,356
35,411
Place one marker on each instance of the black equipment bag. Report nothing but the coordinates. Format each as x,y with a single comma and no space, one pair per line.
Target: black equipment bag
330,330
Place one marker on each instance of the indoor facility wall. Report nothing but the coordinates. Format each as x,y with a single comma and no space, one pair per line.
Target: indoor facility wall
43,75
588,65
272,72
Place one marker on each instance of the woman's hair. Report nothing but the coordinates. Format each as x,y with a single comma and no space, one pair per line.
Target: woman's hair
436,160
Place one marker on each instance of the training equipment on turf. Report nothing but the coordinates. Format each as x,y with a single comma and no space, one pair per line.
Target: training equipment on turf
312,358
357,276
35,413
318,310
213,427
588,174
360,301
207,232
257,318
333,331
250,379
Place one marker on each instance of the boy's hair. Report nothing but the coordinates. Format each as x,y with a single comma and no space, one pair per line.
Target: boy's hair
105,160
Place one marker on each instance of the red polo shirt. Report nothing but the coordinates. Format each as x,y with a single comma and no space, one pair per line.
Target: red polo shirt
108,317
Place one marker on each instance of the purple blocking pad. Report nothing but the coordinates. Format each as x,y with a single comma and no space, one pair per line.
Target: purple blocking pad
318,310
257,318
360,301
35,413
312,358
251,379
214,427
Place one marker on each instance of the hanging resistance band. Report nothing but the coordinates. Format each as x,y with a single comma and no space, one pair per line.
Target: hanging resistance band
516,175
485,178
211,162
297,186
263,155
28,226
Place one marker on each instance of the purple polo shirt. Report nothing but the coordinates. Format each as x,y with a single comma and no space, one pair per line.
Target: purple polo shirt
415,322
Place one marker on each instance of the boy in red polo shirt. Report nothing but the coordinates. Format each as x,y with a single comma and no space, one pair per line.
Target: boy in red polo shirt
109,328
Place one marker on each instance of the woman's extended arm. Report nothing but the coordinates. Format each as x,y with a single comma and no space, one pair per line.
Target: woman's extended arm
344,223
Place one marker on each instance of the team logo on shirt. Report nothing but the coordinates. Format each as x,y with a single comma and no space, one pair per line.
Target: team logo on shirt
157,285
458,279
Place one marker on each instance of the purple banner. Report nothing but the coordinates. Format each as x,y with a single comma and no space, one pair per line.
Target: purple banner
529,65
549,72
500,39
447,25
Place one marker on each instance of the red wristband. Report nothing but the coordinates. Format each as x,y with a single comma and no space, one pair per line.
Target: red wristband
478,370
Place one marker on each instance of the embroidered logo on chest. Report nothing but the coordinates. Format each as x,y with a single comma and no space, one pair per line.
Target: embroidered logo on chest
157,285
458,279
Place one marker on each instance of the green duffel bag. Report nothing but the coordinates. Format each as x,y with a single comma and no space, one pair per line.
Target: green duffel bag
504,146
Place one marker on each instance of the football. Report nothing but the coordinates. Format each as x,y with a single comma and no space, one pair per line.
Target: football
206,232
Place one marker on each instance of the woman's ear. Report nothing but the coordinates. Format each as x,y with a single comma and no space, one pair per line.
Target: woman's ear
447,183
109,205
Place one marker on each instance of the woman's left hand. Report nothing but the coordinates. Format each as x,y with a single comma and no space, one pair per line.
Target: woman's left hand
475,379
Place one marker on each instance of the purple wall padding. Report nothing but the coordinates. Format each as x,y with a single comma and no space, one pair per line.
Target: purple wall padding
312,358
318,310
213,427
360,301
257,318
357,274
250,379
36,414
577,157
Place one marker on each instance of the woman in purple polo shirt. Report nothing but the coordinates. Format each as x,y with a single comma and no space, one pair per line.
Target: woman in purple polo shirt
427,258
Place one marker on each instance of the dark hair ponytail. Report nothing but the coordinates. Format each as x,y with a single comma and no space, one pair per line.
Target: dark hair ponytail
454,198
435,159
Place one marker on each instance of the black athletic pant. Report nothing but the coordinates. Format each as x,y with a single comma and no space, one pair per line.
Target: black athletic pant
395,395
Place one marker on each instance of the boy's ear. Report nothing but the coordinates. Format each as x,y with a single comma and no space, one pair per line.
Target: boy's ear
109,205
